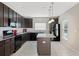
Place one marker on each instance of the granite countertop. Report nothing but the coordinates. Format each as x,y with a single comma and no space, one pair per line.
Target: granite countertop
45,36
21,33
40,35
1,38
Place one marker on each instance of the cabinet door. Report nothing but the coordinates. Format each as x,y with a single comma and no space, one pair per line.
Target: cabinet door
18,21
1,15
12,45
15,19
2,48
11,18
22,22
18,42
7,47
28,22
24,38
15,16
5,16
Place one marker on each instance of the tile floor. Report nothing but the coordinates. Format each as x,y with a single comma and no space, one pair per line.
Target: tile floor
29,48
58,49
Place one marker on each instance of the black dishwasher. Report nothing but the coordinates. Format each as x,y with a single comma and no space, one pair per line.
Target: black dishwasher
18,42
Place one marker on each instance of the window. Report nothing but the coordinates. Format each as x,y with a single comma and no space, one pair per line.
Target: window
40,26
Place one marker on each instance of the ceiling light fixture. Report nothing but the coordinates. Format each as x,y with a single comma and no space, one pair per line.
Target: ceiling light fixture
51,13
52,20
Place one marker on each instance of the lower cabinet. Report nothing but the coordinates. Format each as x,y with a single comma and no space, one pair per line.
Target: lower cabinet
24,37
2,53
7,47
32,36
12,46
18,42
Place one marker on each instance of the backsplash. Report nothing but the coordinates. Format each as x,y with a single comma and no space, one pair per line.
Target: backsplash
19,30
4,28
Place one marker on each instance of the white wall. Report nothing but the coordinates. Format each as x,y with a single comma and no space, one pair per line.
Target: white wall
41,20
73,27
61,7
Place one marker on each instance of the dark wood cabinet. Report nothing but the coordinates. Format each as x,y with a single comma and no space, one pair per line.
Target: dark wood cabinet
11,18
1,15
12,47
32,36
7,47
15,16
22,22
18,21
2,48
5,16
25,37
15,19
28,22
18,42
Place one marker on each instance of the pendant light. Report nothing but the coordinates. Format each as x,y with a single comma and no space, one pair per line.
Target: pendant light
51,13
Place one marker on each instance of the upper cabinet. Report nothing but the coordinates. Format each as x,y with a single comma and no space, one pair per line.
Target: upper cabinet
9,17
21,21
1,15
28,22
24,22
6,9
18,24
15,19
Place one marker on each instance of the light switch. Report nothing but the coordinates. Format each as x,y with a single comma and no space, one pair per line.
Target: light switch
44,42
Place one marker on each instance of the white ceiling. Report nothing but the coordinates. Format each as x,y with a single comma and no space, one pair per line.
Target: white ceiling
40,9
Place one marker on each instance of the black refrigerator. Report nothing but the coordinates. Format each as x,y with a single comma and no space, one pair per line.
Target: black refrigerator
56,32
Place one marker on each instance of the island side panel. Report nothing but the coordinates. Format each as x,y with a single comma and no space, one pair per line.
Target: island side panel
43,46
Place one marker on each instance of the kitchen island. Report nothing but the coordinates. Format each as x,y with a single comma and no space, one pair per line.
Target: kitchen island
44,44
